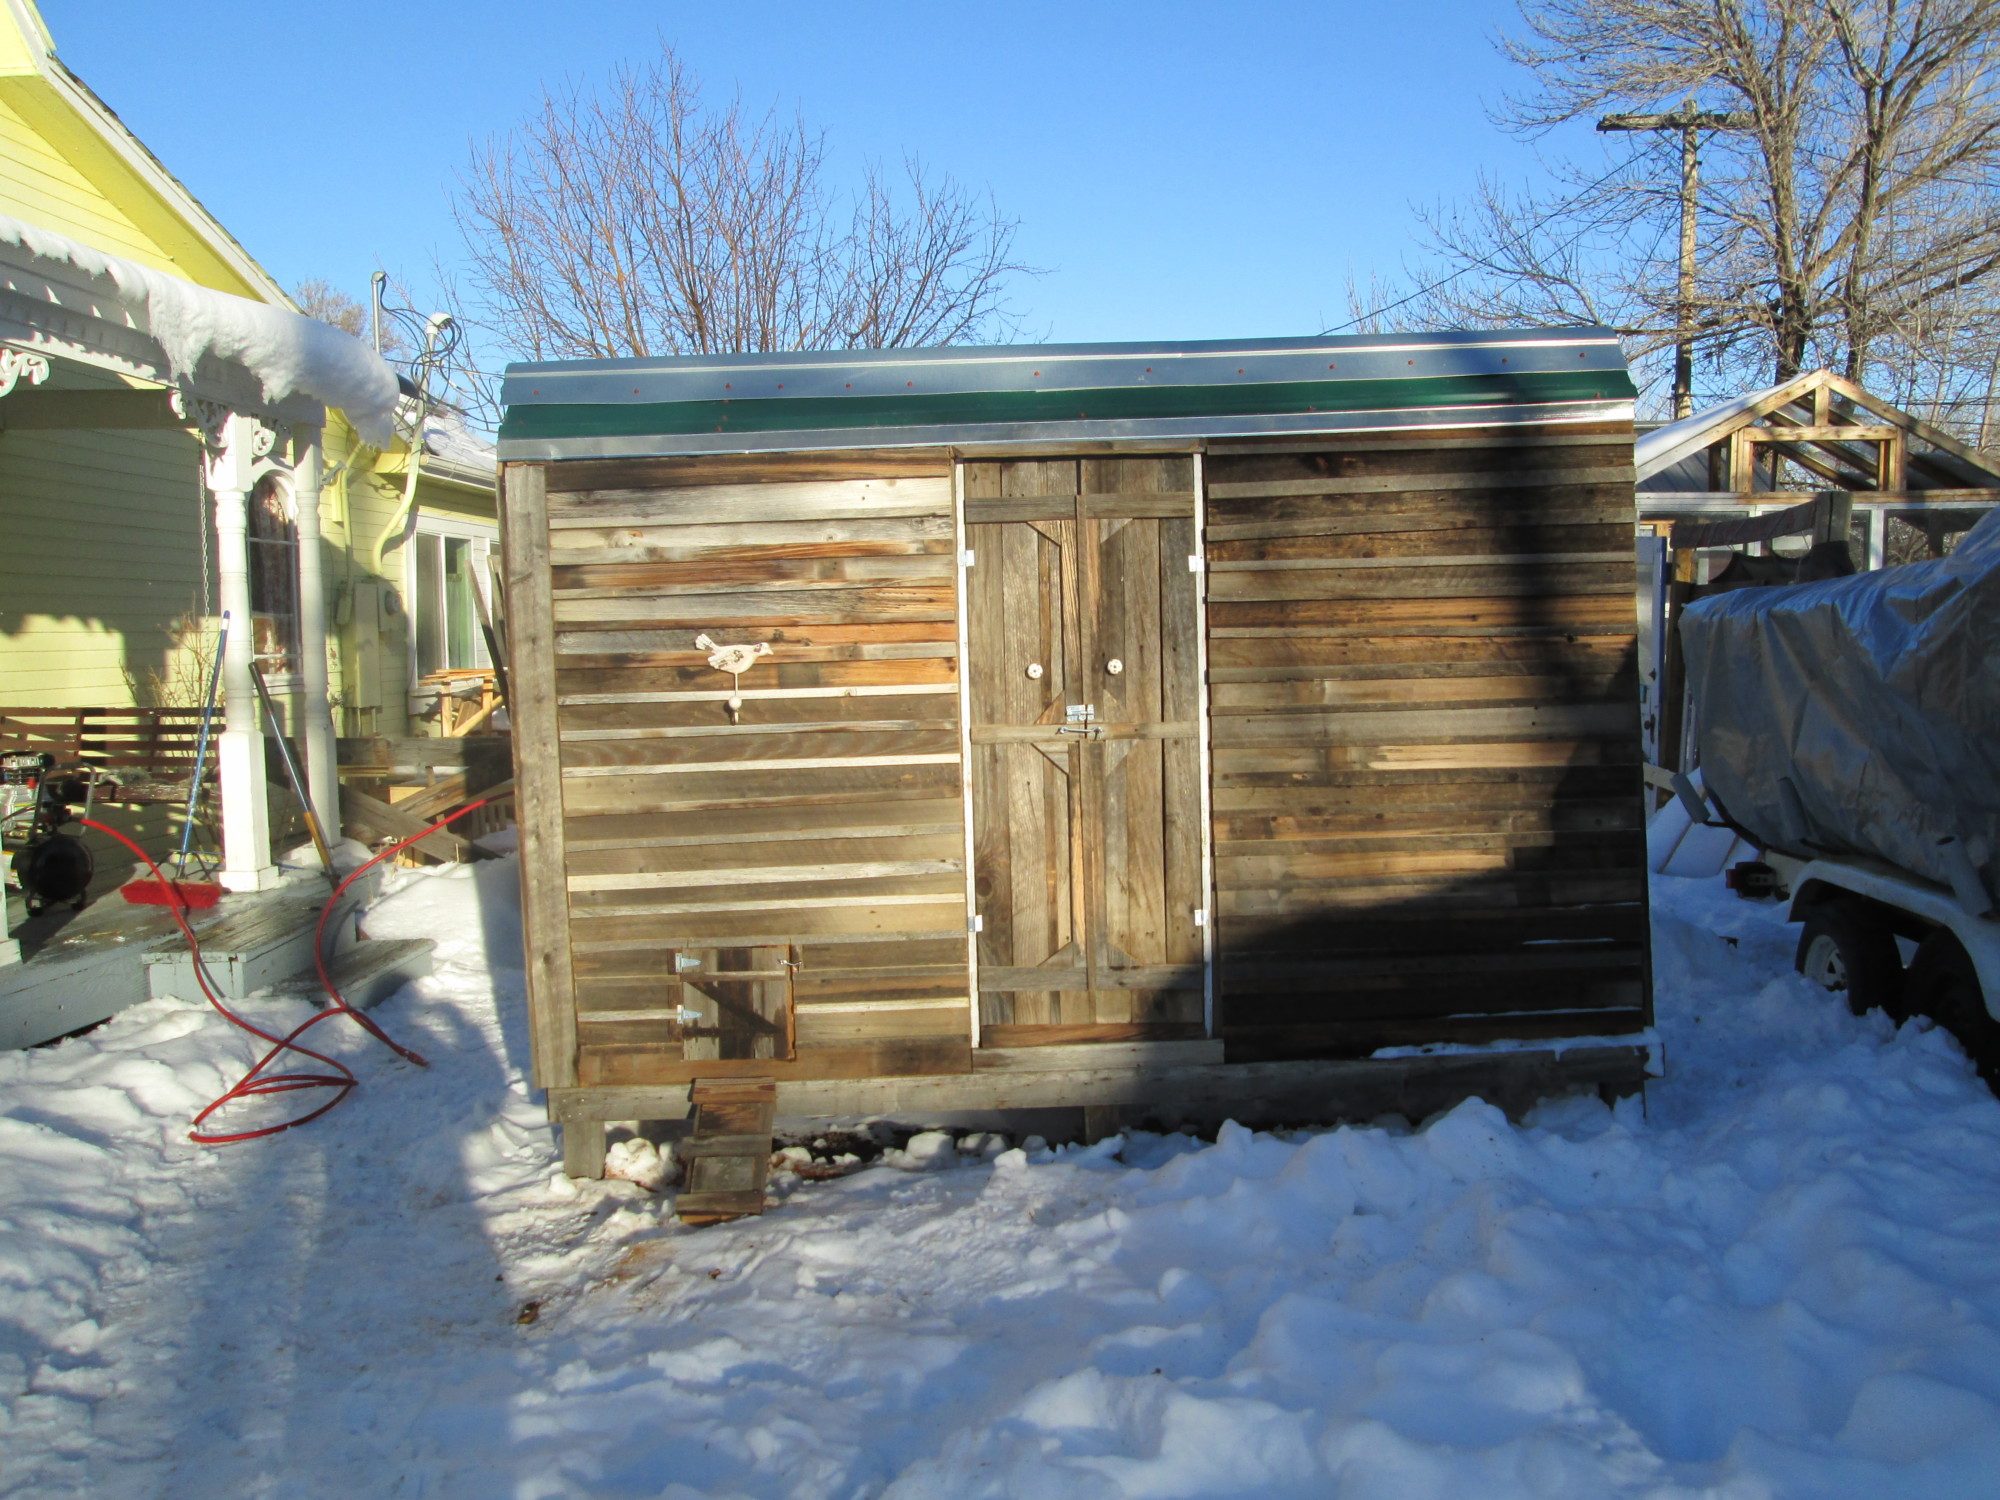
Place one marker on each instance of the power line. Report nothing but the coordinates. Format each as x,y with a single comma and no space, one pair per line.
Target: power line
1443,281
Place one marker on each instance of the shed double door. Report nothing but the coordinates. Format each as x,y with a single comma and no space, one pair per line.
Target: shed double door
1084,687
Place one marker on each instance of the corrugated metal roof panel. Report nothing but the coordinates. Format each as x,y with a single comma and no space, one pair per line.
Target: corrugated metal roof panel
1040,394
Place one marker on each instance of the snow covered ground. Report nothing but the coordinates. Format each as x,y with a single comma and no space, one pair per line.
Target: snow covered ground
1781,1277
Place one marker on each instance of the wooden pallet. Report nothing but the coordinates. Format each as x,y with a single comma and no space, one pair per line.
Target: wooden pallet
728,1153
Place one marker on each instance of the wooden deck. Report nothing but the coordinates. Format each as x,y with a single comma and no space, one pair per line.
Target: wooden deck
77,970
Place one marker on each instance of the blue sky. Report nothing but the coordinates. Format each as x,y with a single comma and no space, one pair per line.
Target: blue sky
1181,170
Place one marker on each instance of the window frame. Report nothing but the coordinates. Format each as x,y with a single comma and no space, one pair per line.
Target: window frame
484,538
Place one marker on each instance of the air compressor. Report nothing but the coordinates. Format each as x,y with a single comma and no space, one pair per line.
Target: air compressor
50,866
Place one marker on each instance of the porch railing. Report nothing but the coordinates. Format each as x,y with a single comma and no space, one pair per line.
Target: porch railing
149,752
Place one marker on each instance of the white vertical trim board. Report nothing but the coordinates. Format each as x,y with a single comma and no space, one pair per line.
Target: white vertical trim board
965,743
1202,741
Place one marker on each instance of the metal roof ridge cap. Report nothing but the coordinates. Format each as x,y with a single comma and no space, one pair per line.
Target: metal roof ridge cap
1596,334
1002,434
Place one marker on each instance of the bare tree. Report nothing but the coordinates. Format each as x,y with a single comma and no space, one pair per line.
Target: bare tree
321,299
637,220
1853,222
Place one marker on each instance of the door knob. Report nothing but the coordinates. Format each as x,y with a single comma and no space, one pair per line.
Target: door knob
1114,666
1034,671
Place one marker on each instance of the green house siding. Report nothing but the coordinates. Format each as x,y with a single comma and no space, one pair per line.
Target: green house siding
103,552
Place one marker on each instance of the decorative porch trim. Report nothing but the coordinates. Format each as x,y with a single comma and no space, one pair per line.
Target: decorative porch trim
19,364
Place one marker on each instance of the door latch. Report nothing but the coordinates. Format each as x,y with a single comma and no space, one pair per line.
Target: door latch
1080,718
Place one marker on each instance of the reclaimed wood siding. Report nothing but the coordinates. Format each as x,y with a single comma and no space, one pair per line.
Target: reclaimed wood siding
794,874
1427,814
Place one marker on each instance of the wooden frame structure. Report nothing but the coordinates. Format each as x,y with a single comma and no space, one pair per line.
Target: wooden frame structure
1725,462
1190,730
1719,479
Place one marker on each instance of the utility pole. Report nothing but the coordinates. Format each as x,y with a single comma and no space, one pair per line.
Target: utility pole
1689,121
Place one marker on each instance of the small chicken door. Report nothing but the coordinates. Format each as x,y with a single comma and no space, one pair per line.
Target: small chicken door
736,1003
1083,675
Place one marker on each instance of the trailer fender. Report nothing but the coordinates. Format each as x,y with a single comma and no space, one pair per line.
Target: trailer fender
1816,880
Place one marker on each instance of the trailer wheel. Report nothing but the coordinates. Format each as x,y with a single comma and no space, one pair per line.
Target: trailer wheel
1943,985
1844,948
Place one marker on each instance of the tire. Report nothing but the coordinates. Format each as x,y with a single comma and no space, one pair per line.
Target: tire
1846,949
1943,985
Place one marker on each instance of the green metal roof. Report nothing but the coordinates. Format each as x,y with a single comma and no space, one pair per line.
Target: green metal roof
1042,394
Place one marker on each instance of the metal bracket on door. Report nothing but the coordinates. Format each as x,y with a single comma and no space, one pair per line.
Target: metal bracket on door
1081,718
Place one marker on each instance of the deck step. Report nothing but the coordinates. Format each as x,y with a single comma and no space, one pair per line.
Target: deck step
263,942
244,952
728,1152
367,973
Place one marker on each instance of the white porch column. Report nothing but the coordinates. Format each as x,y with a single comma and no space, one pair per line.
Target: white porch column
16,365
315,712
10,947
239,749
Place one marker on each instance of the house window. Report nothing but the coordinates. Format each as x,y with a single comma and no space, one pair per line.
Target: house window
274,579
445,569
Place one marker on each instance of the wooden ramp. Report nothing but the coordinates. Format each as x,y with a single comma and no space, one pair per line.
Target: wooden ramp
728,1153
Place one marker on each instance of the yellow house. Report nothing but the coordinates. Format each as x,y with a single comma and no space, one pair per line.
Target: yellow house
176,440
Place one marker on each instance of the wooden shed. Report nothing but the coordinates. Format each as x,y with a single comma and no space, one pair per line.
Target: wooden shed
1237,728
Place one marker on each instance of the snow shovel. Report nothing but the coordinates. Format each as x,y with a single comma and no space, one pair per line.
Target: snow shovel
189,895
293,775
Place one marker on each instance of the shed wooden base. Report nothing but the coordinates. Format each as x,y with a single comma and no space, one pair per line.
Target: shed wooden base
1190,1087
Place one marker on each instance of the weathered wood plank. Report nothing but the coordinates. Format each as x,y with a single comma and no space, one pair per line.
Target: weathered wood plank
1502,579
646,475
746,574
722,538
778,606
1530,537
1399,519
1511,614
823,828
1266,658
1439,480
1421,724
623,672
895,1057
754,786
538,796
1618,685
777,500
750,875
834,748
1322,1090
1046,1052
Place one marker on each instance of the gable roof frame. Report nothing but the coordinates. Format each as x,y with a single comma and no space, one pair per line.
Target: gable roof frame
1925,446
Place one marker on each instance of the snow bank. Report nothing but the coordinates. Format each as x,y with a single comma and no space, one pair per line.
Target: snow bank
290,355
1779,1276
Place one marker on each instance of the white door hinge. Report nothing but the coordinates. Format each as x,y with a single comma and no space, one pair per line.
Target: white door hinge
977,924
1201,916
967,557
1194,562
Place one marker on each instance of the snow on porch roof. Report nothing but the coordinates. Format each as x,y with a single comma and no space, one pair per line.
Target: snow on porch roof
60,296
1026,394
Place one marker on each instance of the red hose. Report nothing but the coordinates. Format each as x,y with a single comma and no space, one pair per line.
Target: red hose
257,1083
